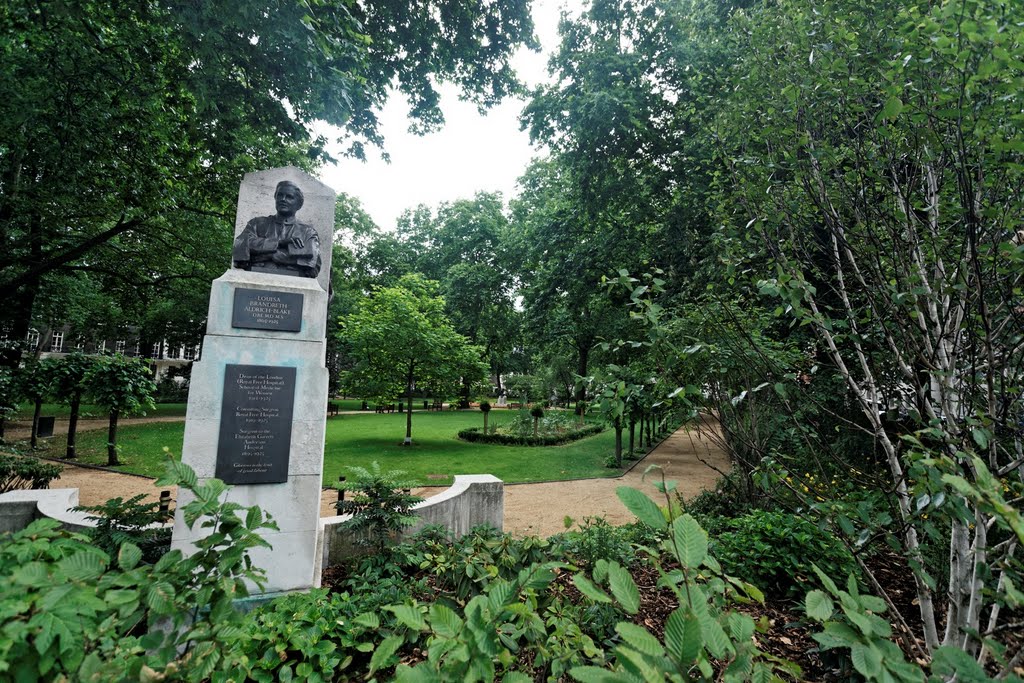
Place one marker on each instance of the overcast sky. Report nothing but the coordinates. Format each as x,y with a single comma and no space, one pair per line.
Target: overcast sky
471,153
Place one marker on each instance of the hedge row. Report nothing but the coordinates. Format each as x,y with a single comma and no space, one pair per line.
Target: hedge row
476,436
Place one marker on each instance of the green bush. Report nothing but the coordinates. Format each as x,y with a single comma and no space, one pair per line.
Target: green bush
130,521
775,551
26,473
70,611
474,435
379,505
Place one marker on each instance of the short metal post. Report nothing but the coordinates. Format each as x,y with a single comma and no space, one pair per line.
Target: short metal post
341,492
165,501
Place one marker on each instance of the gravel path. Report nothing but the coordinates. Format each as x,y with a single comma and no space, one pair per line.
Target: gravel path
538,509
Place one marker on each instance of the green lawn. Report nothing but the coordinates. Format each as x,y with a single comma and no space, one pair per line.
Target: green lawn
91,411
435,456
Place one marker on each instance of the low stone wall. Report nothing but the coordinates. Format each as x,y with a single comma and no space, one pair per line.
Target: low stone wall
20,508
472,500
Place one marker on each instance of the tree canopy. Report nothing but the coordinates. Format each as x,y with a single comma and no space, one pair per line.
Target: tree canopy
402,340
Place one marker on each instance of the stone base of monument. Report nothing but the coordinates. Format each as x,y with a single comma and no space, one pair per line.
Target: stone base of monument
257,414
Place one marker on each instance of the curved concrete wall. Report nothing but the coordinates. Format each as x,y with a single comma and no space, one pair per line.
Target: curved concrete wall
472,500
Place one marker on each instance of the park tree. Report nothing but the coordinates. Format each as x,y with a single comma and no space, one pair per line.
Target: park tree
68,388
401,339
8,397
884,181
123,386
35,383
101,170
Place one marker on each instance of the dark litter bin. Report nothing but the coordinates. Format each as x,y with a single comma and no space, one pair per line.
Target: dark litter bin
44,427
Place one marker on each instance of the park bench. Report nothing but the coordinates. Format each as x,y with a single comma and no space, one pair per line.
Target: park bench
385,407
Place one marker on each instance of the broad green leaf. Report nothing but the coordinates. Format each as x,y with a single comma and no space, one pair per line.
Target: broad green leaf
892,108
593,674
444,621
691,543
588,589
623,588
418,674
368,619
82,566
383,652
683,636
408,615
819,606
640,505
639,638
160,597
129,556
867,660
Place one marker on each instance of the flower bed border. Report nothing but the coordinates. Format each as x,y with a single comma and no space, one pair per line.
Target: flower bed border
474,435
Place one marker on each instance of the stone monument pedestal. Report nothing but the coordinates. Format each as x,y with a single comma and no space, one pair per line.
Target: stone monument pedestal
257,404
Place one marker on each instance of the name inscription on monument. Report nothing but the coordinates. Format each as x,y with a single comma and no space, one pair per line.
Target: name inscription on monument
255,424
257,309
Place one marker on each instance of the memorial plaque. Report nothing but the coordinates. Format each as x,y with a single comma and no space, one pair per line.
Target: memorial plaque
258,309
255,424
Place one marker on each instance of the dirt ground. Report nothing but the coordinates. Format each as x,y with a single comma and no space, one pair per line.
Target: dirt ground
530,509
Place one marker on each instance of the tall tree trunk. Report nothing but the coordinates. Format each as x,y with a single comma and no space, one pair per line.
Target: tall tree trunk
581,370
632,433
76,402
408,395
36,411
112,439
618,442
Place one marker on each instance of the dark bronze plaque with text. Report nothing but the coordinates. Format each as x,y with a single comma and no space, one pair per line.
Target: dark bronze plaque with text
255,424
258,309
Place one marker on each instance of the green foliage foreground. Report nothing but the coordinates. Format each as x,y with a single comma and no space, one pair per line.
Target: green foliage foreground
482,608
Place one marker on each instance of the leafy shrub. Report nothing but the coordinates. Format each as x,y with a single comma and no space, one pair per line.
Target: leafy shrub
26,473
312,636
130,521
775,551
379,506
72,612
474,435
462,568
714,508
597,539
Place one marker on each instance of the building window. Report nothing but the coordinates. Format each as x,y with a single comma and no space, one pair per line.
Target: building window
102,347
155,351
57,342
137,351
119,346
190,353
173,352
32,338
80,344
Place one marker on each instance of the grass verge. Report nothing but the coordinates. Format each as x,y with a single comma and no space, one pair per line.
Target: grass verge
436,453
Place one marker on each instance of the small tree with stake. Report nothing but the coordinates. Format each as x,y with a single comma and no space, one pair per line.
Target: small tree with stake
123,386
485,408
